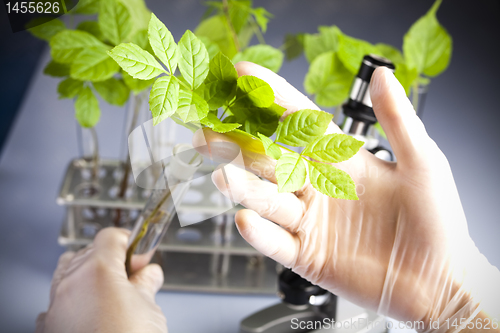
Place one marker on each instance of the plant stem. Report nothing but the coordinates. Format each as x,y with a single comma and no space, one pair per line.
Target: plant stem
414,96
145,224
225,8
257,31
124,182
95,156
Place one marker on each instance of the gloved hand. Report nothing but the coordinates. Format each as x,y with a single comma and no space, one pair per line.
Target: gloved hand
91,292
403,249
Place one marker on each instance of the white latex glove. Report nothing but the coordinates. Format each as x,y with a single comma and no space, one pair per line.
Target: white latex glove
91,292
403,249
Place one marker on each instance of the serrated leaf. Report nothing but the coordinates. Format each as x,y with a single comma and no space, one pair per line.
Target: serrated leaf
262,17
193,59
427,45
87,7
218,126
220,83
192,108
328,80
326,41
113,91
67,44
87,111
294,46
56,69
254,91
135,85
93,64
258,120
92,27
162,43
302,127
163,99
115,21
45,28
331,181
263,55
352,50
140,14
212,48
290,173
136,62
333,148
69,88
272,149
221,69
389,52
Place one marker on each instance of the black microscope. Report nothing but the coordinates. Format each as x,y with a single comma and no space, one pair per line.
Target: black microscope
300,299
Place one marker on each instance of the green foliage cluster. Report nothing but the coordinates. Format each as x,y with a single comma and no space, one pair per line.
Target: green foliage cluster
80,59
228,26
206,86
335,57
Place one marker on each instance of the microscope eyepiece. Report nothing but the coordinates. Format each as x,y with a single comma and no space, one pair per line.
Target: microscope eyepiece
359,106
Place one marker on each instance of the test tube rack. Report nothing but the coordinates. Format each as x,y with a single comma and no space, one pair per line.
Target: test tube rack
208,256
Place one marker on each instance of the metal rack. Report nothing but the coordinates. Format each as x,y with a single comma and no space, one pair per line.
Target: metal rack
209,256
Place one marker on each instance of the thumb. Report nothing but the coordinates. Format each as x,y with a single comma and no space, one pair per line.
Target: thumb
405,131
149,279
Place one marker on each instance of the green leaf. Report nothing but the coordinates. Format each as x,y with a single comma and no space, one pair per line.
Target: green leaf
69,88
261,122
212,48
139,13
263,55
136,62
192,108
326,41
67,44
193,59
239,12
389,52
87,111
113,91
45,30
333,148
294,46
218,126
406,76
302,127
87,7
427,45
136,85
328,79
193,127
331,181
220,83
352,50
93,64
163,99
290,173
217,30
140,38
163,43
115,21
221,69
254,91
262,17
92,28
272,149
56,69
